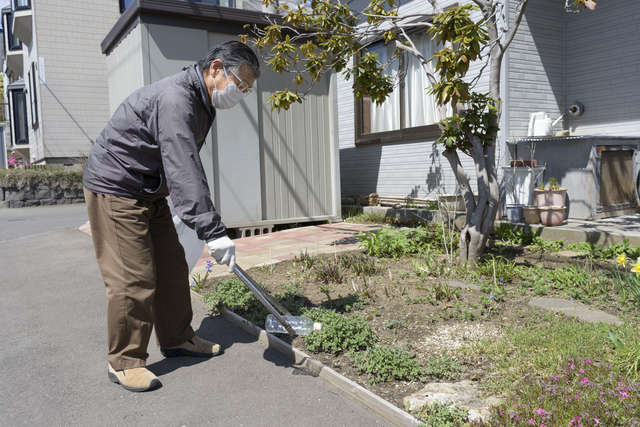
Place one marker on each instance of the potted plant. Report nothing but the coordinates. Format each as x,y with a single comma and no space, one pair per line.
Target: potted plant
552,216
531,215
553,195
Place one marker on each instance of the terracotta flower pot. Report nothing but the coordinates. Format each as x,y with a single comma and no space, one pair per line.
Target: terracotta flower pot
550,197
531,215
552,216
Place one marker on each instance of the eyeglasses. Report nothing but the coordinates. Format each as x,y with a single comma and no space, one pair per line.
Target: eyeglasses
243,86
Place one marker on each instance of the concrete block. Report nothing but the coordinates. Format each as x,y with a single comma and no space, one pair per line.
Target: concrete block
42,192
16,204
15,195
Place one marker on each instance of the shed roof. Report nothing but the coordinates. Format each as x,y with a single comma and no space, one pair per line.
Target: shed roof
178,9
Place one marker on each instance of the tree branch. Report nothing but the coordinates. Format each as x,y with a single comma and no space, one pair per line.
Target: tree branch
514,29
415,52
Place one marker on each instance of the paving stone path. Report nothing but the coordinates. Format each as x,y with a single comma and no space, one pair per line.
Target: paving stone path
574,309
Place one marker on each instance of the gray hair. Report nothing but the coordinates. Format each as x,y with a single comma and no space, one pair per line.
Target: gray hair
233,55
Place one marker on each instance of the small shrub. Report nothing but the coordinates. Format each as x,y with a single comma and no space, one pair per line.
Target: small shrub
443,367
395,324
441,415
230,293
513,235
547,245
329,273
498,267
307,261
26,178
339,333
360,264
386,363
366,218
444,292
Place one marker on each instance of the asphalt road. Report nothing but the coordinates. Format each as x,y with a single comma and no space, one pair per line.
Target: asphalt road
52,358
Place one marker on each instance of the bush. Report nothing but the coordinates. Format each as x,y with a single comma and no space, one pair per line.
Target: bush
393,243
307,261
339,333
443,367
386,363
231,294
504,269
329,273
26,178
579,393
514,235
441,415
360,264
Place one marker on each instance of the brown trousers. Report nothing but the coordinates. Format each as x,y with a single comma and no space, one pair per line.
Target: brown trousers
146,275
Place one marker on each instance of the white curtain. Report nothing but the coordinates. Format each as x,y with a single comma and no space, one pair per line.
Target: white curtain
386,117
420,108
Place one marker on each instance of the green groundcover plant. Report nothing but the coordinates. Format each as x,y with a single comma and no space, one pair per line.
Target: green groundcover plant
339,333
580,393
384,363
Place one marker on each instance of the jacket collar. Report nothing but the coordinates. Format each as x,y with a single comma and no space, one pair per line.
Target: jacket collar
196,78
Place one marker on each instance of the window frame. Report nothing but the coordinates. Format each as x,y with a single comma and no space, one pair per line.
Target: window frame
33,96
416,133
8,33
13,93
123,6
15,6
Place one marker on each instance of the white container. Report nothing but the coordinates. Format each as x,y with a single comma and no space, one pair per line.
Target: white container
518,184
540,124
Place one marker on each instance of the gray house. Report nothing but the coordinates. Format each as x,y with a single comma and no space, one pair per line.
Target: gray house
558,59
263,168
55,77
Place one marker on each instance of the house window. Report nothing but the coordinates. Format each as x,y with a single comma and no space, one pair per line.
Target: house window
19,117
409,113
124,4
21,4
13,43
33,92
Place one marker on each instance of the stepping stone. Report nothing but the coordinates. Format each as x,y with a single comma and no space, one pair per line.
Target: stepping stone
574,309
462,394
462,285
570,254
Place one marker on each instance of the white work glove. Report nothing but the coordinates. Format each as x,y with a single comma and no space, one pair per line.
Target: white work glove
223,250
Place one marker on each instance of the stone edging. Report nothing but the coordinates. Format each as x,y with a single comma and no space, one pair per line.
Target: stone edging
381,407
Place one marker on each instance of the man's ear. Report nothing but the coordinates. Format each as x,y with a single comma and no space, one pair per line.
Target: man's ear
216,64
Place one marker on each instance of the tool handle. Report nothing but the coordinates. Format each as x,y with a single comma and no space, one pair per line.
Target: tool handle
266,301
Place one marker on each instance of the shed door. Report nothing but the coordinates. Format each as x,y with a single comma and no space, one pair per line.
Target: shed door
296,149
617,183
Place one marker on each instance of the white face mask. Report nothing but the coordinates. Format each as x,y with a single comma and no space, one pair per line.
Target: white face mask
227,98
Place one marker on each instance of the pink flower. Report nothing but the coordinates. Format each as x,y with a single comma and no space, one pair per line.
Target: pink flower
596,421
532,421
584,381
581,371
588,361
572,366
540,411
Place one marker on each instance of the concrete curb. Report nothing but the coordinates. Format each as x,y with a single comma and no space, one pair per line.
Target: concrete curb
384,409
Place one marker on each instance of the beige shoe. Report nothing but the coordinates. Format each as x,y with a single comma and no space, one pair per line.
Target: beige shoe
135,379
195,347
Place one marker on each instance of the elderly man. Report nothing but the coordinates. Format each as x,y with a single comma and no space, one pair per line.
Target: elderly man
148,151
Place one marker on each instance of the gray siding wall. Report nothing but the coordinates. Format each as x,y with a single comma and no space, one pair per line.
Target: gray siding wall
603,72
69,35
535,65
125,66
400,169
558,58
